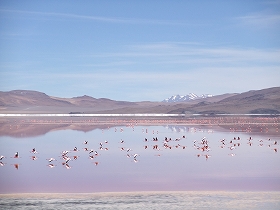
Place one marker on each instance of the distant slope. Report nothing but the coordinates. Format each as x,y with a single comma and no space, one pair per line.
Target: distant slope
17,98
266,101
29,101
255,96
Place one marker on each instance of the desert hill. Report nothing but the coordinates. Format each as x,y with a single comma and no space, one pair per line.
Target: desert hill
265,101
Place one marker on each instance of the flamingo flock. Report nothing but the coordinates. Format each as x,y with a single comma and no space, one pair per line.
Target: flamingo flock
159,144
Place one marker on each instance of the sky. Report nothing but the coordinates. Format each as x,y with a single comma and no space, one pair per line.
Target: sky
139,50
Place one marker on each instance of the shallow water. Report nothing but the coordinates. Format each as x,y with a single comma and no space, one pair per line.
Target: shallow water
144,200
210,166
191,158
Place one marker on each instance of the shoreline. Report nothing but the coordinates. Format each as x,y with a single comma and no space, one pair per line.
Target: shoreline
133,115
132,193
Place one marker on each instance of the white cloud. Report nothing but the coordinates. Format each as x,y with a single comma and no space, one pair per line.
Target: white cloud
260,20
94,18
173,53
156,70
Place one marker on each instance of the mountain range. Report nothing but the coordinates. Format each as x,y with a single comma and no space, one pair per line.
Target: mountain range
188,97
265,101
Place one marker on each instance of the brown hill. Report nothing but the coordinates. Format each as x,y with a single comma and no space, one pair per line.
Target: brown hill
266,101
18,98
28,101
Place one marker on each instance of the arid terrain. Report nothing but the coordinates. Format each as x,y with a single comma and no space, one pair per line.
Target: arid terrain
266,101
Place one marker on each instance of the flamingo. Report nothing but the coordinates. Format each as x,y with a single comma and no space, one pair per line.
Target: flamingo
64,152
16,165
232,148
207,156
51,159
16,155
51,165
66,165
34,158
91,151
67,159
33,151
2,157
75,157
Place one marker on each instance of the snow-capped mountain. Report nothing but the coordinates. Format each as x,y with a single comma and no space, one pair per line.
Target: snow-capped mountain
188,97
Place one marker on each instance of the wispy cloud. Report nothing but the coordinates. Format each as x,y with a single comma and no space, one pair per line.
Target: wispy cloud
123,77
153,85
178,53
260,20
95,18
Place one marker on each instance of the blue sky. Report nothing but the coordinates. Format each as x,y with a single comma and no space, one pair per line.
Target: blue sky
139,50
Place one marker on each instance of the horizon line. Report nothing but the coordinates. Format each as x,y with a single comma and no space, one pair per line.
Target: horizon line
129,115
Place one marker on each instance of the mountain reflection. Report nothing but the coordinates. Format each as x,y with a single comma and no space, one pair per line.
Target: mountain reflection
30,127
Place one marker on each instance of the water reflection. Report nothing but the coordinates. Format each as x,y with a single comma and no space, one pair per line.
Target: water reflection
31,127
141,158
